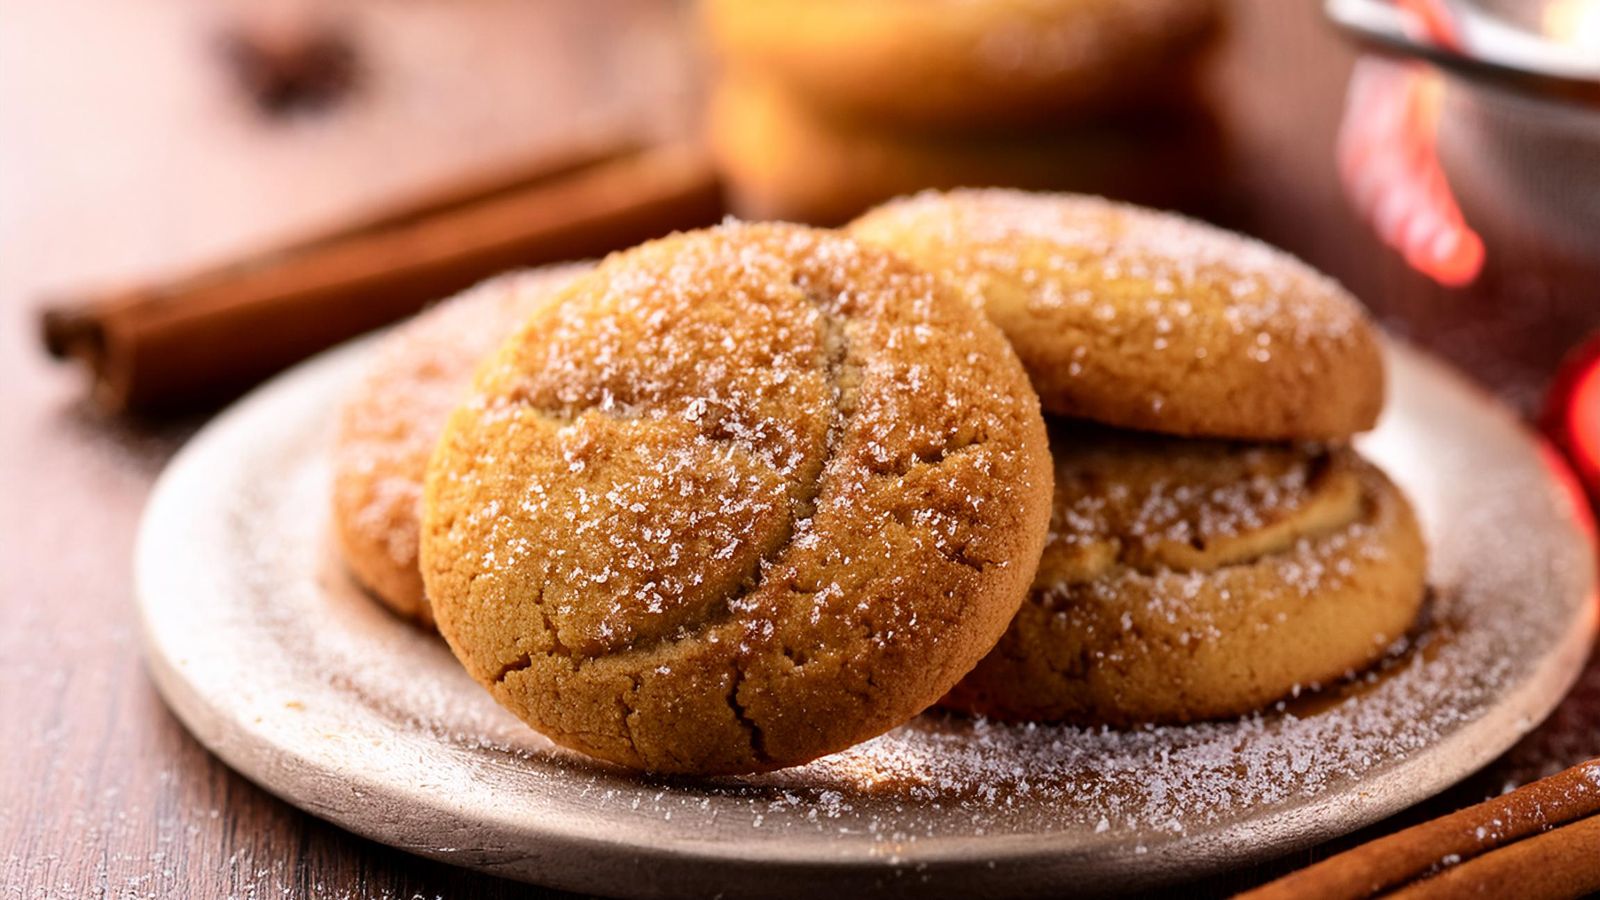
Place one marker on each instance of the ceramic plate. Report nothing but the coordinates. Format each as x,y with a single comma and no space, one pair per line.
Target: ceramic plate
281,666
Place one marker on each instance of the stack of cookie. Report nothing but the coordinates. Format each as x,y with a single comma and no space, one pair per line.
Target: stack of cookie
822,109
1232,550
739,498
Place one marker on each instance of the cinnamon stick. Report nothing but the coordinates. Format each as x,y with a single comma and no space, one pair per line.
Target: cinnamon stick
211,334
1556,865
1468,843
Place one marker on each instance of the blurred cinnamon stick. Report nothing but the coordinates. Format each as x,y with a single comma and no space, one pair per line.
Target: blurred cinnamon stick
209,335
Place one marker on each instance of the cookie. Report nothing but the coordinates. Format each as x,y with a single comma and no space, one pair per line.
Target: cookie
1149,320
1191,579
393,418
740,498
965,63
784,160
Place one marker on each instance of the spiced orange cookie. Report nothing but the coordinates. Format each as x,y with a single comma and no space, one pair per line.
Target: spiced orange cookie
739,498
961,63
392,420
1195,579
1150,320
785,160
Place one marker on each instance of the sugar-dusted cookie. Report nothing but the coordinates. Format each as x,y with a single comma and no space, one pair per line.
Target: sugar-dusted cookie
393,418
740,498
1192,579
1149,320
953,64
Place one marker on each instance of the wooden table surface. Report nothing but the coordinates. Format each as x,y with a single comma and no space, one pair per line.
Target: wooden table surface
125,150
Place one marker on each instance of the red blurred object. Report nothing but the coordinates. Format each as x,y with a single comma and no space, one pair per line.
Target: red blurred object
1389,163
1572,414
1389,157
1436,20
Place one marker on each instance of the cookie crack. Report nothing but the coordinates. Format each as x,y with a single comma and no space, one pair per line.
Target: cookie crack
556,648
802,506
758,738
960,554
837,347
957,554
932,457
630,712
525,661
802,498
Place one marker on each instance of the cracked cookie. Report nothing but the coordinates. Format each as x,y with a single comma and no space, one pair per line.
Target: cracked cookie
391,421
1192,579
1149,320
738,499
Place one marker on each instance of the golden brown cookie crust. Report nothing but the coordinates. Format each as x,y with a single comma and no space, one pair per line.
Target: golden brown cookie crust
952,65
1150,320
419,373
1188,579
785,160
742,497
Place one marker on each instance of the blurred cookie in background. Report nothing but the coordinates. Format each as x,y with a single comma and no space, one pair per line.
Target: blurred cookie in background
822,109
972,63
785,160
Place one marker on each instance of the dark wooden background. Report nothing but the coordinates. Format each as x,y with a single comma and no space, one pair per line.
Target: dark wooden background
126,150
